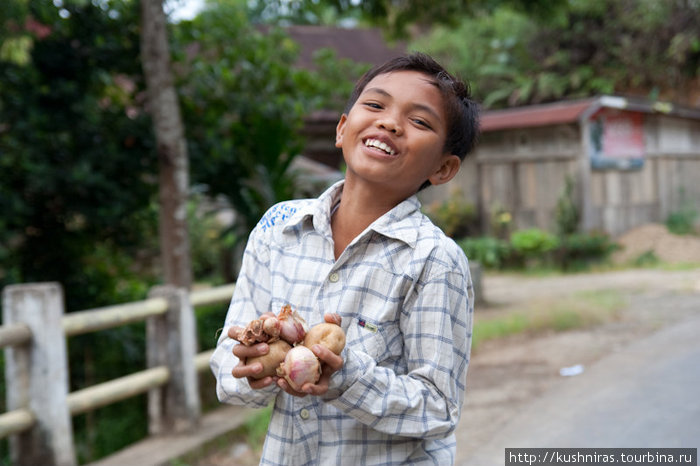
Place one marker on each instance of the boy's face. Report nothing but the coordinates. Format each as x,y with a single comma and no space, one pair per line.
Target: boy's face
393,137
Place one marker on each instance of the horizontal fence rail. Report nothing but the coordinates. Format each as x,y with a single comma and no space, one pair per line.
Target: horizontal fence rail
173,311
92,320
106,393
14,335
14,422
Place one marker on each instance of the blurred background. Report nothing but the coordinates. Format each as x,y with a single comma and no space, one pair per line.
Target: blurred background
589,157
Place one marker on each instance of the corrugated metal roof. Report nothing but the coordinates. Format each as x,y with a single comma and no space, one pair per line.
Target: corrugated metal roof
573,111
534,115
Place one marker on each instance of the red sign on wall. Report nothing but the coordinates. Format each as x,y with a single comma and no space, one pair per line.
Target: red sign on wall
617,139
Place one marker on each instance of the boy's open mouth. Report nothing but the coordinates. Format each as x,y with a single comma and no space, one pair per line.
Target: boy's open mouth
377,144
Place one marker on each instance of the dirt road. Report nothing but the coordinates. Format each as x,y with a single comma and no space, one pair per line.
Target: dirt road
509,377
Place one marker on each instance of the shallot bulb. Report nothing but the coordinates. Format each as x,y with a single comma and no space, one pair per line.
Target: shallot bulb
288,326
300,366
253,333
293,327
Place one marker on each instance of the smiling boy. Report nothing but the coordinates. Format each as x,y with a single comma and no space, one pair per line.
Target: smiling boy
364,251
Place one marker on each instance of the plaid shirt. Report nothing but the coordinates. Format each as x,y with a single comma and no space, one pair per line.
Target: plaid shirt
405,295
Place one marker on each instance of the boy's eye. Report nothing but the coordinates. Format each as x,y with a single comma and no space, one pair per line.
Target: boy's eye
373,105
421,122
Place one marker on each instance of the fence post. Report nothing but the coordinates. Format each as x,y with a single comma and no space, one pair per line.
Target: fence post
37,375
172,342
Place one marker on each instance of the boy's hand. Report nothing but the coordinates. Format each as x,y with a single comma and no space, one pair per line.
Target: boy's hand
330,363
243,352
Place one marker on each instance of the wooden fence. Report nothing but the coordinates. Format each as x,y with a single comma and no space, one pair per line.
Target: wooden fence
39,406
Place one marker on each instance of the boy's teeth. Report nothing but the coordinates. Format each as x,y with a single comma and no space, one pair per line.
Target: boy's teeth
379,145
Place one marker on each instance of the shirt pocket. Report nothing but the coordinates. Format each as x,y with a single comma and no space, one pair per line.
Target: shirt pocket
381,340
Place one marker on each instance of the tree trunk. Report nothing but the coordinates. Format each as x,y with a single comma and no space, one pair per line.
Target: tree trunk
172,149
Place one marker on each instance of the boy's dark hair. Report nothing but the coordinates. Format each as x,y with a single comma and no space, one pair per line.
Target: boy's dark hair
462,112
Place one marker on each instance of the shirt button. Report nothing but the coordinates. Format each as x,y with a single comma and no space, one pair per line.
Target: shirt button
304,413
334,277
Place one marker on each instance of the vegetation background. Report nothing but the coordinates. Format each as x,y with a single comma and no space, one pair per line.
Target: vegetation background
79,168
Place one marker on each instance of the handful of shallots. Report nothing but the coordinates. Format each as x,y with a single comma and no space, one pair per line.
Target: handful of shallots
288,325
290,341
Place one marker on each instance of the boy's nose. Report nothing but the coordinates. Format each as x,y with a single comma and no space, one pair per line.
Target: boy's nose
391,125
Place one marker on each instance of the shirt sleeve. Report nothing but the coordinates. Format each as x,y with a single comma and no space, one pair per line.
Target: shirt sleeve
251,298
425,402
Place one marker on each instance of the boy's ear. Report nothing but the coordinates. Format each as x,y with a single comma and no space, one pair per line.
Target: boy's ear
340,130
449,167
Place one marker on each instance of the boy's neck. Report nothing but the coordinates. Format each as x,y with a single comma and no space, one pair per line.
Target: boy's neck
357,209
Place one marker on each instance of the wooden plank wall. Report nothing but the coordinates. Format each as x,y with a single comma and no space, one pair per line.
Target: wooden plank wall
524,173
668,181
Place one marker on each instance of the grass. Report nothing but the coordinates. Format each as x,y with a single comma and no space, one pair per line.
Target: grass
580,310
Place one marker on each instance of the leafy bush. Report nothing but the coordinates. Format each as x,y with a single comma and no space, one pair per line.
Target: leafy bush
513,58
567,214
533,244
682,221
646,259
491,252
501,221
578,250
455,216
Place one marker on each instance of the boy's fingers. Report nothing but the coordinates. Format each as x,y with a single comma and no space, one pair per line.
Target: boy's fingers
262,383
333,318
246,370
242,351
284,385
234,331
328,357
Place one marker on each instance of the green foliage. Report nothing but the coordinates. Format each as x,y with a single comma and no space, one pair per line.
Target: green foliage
578,250
489,49
76,153
581,49
646,259
533,242
242,114
534,247
492,253
682,221
76,183
243,103
566,213
455,216
329,86
398,19
501,221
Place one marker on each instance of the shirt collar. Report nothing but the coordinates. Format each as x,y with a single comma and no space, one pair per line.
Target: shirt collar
319,212
401,222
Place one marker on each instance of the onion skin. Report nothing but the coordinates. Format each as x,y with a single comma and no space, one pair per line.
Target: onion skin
326,334
288,326
253,333
271,360
272,327
300,366
292,326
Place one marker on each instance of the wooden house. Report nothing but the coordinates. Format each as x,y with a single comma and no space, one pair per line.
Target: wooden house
631,162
